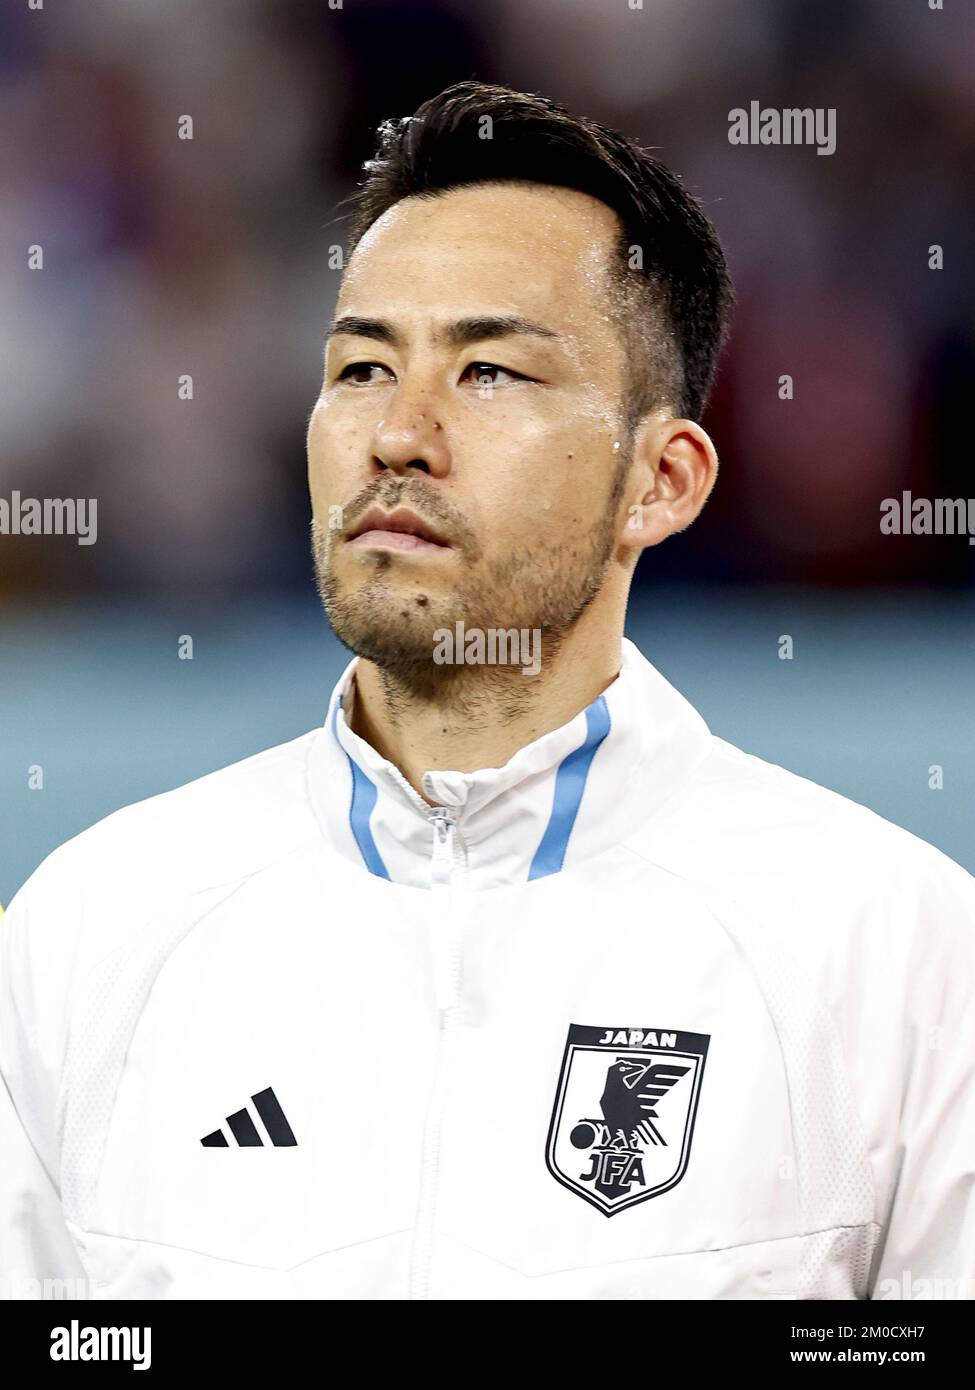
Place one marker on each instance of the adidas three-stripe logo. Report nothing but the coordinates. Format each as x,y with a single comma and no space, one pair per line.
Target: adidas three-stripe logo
245,1131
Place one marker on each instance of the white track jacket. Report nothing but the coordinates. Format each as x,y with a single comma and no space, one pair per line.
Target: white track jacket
634,1016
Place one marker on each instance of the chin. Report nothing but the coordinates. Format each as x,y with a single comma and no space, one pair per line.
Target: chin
391,625
404,656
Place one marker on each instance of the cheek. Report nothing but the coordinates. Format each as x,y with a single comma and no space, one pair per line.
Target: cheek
334,447
552,482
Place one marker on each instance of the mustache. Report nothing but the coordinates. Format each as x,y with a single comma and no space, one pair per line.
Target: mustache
423,499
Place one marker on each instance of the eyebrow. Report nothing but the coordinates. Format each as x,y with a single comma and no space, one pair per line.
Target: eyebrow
460,333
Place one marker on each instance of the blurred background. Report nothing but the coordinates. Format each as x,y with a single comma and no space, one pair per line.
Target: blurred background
213,257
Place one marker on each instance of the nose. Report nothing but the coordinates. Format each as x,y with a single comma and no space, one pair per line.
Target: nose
411,435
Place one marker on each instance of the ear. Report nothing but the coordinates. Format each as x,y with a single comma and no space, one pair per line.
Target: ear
674,469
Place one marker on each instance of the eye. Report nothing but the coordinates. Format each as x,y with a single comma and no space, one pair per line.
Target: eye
361,369
482,373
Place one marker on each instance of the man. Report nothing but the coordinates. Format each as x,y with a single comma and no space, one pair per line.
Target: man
524,984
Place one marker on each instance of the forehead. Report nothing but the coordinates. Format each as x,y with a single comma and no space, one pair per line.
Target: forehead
533,248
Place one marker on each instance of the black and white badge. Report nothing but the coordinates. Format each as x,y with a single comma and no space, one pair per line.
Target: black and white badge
624,1112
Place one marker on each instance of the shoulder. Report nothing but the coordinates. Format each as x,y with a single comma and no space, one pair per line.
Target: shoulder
827,901
152,855
806,857
791,820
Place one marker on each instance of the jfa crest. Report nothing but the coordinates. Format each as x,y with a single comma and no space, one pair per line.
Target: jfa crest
624,1113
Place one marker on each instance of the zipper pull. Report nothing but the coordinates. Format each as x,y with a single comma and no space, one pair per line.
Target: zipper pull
442,865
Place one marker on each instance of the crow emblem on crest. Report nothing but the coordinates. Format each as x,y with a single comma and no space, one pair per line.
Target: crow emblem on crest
630,1098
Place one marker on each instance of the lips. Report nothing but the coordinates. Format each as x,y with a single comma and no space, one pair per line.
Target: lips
400,529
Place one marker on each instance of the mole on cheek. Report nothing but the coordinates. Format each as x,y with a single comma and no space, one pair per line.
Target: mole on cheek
421,600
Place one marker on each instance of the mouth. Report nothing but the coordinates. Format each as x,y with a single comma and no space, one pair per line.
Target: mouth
400,529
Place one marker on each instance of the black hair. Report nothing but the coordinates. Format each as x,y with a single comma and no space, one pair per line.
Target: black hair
674,287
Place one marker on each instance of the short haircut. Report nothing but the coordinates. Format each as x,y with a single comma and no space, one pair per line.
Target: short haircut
673,290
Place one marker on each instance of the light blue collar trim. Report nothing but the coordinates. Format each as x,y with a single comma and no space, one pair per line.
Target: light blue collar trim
570,784
364,796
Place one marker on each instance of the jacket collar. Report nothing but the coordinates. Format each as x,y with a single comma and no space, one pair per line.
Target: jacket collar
556,802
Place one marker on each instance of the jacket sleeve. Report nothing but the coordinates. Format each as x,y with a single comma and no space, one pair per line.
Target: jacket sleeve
38,1258
926,1247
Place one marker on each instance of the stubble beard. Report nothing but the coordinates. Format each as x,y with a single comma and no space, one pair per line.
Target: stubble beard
546,587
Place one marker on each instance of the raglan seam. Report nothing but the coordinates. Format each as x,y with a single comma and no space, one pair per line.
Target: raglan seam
61,1095
710,890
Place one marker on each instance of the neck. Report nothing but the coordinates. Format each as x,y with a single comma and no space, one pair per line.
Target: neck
483,714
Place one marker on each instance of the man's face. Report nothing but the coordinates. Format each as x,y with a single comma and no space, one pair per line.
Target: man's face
505,439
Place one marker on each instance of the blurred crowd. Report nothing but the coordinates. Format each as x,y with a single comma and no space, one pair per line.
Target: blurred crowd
209,257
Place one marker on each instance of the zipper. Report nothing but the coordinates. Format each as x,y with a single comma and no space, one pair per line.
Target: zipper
446,959
442,865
